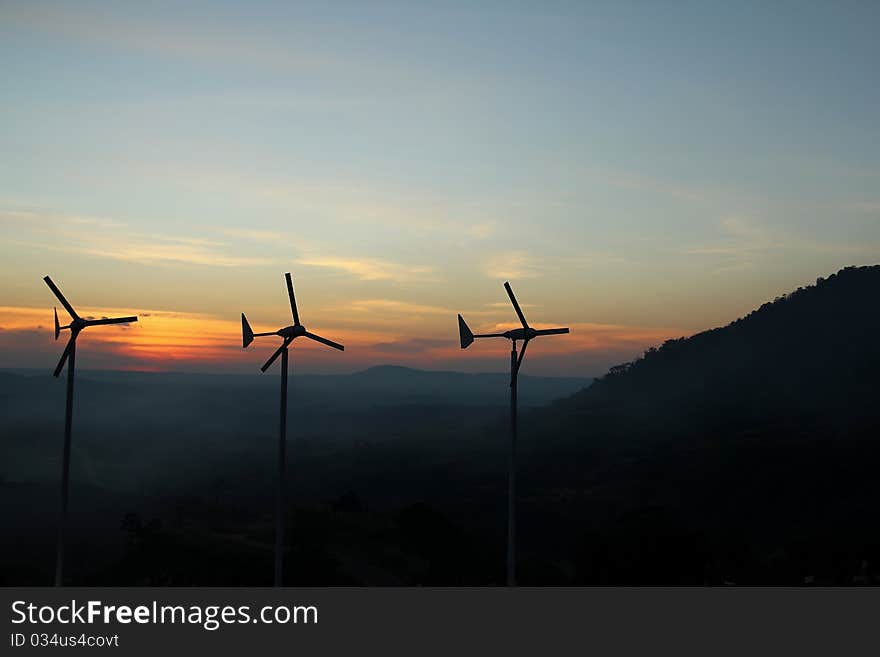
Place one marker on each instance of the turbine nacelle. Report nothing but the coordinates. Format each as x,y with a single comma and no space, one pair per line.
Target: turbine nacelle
292,331
520,334
289,333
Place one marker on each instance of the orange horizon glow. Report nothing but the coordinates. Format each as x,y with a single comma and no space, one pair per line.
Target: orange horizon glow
165,340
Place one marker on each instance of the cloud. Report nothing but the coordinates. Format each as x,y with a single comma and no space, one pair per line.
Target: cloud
512,264
255,235
47,219
506,304
107,238
864,207
392,307
369,269
482,230
197,41
743,235
746,242
343,201
147,252
743,242
143,251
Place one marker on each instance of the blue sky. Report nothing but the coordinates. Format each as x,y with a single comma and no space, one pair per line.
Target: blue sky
637,170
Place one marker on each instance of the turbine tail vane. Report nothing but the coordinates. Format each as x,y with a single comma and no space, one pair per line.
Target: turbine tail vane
247,334
465,336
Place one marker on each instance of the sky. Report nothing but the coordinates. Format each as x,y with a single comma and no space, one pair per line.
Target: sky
638,170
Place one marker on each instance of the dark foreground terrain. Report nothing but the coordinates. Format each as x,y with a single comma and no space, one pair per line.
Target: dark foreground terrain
747,454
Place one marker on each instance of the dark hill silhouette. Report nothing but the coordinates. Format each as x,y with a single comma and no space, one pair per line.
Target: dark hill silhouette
747,453
813,351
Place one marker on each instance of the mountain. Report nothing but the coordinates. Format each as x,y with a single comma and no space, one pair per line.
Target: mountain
817,347
745,453
813,352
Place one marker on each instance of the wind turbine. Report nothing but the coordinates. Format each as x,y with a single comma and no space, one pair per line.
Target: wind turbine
76,325
526,333
288,333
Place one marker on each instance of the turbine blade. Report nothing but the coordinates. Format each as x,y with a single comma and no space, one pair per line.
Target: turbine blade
519,312
522,353
556,331
277,353
111,320
64,356
57,325
464,333
292,299
329,343
247,334
60,296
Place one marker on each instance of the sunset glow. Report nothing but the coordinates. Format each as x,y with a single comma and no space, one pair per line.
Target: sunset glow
634,181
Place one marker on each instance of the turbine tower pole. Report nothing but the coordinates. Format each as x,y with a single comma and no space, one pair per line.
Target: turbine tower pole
282,466
526,334
511,474
65,468
288,333
76,325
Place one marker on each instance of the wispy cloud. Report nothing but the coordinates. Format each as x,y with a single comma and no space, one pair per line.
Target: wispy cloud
864,207
511,264
167,38
390,306
43,219
340,201
155,252
743,240
255,235
107,238
506,304
369,269
743,235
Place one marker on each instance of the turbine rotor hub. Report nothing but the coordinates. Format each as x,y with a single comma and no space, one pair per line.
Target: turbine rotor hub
292,331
